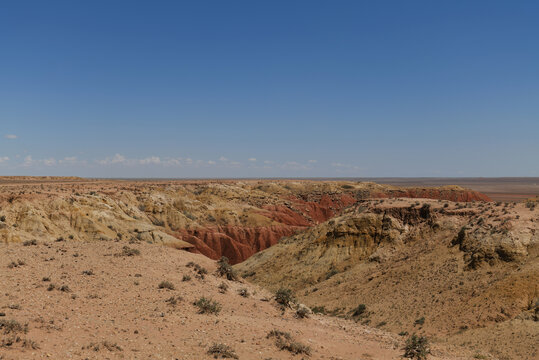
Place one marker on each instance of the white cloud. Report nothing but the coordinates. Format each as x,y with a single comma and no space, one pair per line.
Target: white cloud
176,162
72,161
116,159
172,162
10,136
49,162
28,161
150,160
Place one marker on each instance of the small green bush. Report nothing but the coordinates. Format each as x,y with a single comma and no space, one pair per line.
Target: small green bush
223,287
359,310
416,347
222,351
207,306
12,326
224,269
284,341
284,297
166,285
127,251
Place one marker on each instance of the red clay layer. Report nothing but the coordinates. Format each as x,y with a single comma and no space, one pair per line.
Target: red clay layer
238,243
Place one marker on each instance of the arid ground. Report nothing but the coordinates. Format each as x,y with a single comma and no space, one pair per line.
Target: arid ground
119,269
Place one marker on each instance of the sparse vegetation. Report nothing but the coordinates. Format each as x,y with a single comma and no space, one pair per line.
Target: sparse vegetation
166,285
224,269
284,341
15,264
302,312
127,251
223,287
284,297
200,271
12,327
416,347
173,300
359,311
207,306
319,309
222,351
331,273
243,292
413,266
110,346
29,344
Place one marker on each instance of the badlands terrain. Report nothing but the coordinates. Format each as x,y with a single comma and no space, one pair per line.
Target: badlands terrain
128,269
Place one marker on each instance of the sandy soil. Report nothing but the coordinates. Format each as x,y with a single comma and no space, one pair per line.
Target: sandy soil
113,309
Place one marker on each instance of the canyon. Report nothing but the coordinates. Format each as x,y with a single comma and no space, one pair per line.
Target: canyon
445,262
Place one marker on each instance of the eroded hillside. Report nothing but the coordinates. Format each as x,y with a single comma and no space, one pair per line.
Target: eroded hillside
464,273
234,219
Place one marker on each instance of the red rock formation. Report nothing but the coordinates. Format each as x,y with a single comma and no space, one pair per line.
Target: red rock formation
240,242
284,215
235,242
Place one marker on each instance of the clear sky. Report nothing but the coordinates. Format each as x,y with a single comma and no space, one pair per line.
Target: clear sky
269,88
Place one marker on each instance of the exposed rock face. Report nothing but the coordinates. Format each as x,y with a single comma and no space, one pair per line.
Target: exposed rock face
235,242
235,219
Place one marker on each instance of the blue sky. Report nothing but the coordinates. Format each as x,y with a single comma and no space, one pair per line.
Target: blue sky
269,88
